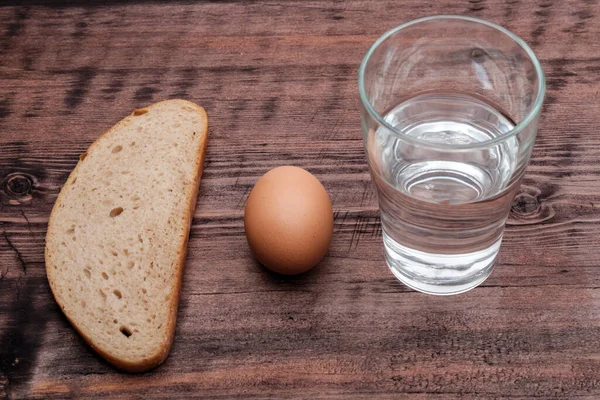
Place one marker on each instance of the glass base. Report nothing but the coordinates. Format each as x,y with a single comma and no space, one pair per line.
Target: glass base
439,274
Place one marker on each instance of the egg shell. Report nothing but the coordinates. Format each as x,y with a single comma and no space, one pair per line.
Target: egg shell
288,220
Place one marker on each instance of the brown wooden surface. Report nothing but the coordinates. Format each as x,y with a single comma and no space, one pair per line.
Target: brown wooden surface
279,82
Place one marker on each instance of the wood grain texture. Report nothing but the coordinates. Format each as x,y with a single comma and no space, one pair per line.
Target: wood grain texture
279,82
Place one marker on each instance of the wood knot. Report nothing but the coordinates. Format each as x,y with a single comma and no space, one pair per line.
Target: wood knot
18,185
525,204
529,208
478,55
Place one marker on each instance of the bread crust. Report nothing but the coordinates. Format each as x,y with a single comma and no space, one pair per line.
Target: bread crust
156,359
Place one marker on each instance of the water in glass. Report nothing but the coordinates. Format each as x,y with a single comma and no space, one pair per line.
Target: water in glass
443,214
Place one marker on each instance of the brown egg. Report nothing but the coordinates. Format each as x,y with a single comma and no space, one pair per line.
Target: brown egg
288,220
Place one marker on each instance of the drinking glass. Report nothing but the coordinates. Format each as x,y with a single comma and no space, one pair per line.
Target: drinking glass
449,113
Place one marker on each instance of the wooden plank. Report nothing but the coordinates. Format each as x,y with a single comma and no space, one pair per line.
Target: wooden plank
278,79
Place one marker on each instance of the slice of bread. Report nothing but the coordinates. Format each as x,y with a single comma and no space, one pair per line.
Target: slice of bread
117,236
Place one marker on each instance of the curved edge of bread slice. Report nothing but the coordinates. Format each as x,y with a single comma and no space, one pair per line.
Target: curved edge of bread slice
117,235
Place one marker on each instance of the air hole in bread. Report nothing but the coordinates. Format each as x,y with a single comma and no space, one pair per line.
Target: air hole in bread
130,264
117,293
116,321
125,331
70,231
139,111
116,212
133,143
73,181
102,293
144,290
114,253
104,275
87,273
117,149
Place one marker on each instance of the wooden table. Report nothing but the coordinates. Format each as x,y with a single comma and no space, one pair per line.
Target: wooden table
279,82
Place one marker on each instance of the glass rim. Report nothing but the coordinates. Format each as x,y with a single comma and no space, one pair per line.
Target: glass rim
531,115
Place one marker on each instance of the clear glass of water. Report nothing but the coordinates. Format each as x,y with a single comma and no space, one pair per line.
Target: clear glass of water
450,107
